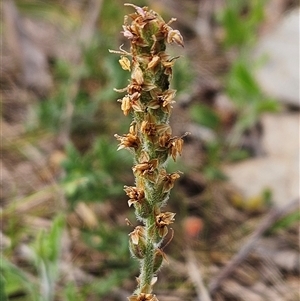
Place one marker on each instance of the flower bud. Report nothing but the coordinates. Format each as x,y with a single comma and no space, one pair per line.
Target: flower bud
143,210
137,242
138,250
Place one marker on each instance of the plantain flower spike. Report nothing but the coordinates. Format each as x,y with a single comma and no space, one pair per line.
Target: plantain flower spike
149,100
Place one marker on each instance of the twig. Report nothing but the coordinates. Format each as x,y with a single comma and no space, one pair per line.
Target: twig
194,273
274,215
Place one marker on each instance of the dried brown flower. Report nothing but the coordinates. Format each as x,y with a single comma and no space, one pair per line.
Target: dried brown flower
137,234
147,169
130,140
163,100
162,220
149,128
131,101
168,180
135,195
137,75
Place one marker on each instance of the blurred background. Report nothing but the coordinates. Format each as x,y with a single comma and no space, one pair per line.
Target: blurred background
63,231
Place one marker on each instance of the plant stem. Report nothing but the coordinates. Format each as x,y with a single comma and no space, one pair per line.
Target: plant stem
147,263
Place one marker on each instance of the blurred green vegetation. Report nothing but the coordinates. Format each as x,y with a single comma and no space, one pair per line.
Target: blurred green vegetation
44,253
241,20
97,175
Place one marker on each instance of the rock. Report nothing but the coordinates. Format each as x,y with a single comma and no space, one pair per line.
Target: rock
278,170
279,76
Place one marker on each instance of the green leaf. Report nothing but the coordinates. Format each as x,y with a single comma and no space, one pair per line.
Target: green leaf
241,85
3,296
16,280
240,20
